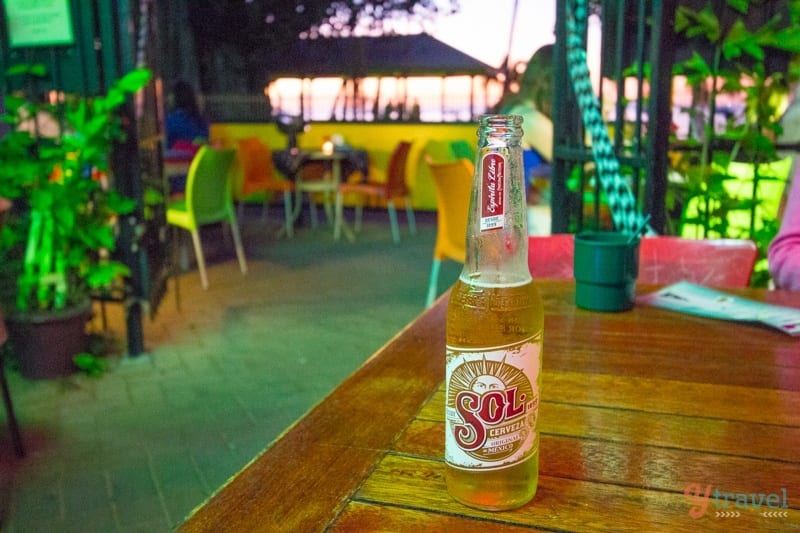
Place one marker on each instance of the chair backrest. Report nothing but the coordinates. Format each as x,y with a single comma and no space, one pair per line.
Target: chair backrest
396,171
461,149
719,263
551,256
314,170
453,184
255,158
208,185
722,263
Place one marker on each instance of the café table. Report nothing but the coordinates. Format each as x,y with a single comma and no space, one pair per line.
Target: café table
651,420
341,162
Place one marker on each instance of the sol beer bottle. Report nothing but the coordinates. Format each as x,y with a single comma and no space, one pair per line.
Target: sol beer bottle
494,336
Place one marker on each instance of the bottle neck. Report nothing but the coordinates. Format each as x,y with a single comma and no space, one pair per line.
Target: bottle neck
497,234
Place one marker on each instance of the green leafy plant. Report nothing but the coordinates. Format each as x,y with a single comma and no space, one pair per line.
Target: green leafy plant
59,237
91,365
739,65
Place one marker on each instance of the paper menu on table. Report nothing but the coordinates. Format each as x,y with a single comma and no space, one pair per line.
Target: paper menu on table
695,299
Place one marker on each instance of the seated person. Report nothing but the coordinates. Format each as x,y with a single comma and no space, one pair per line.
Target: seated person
784,251
533,102
186,129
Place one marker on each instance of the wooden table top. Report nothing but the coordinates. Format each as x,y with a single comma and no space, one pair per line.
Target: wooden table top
650,420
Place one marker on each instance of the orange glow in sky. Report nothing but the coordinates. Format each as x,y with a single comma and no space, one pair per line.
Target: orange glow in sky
481,29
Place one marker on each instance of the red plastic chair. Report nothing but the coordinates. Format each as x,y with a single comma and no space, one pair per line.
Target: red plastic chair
719,263
395,188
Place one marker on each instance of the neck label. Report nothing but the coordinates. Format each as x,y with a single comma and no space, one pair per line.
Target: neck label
493,191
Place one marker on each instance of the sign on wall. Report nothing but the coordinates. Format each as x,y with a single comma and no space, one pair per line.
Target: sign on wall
38,23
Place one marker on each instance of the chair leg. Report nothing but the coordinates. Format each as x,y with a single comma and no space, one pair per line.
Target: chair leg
201,261
412,223
182,259
359,216
237,242
393,221
176,252
298,204
288,213
16,437
329,207
337,217
264,208
312,207
433,282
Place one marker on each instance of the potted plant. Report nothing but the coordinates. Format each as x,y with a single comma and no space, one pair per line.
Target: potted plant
56,245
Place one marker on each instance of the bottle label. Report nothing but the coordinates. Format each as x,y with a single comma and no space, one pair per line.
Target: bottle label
492,405
493,191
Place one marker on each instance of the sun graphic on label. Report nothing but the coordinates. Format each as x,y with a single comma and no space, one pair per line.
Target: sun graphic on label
494,402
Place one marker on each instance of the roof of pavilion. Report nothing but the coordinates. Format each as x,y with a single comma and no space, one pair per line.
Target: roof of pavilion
356,57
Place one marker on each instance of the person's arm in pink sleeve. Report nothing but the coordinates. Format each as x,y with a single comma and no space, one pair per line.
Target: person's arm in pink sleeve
784,251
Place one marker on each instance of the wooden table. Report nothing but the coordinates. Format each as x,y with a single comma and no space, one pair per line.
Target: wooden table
328,186
642,411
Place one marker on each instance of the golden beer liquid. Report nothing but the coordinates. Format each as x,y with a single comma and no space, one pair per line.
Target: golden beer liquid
477,317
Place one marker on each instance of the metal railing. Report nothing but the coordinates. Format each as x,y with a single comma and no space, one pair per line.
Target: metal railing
633,34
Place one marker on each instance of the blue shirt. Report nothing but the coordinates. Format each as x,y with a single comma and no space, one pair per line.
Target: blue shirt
181,126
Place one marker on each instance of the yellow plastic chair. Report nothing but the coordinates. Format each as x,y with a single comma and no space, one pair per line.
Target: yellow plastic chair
258,176
395,188
453,184
208,200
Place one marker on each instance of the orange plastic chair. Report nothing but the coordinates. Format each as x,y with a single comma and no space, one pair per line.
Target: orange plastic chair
258,175
453,184
394,189
718,263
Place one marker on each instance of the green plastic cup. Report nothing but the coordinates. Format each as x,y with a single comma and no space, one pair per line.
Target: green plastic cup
606,268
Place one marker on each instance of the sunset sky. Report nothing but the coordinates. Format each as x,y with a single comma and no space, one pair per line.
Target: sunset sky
481,28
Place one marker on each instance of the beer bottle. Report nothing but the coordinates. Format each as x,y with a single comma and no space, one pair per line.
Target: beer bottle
494,336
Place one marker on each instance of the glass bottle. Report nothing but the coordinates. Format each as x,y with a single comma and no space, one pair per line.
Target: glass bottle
494,336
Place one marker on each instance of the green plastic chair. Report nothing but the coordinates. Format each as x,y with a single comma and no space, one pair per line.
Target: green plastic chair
207,201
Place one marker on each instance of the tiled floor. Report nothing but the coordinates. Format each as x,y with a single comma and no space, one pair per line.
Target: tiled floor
140,447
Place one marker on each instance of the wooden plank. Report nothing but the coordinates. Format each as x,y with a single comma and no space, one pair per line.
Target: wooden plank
660,396
636,407
622,463
665,344
562,504
753,369
672,431
628,424
360,516
304,479
711,400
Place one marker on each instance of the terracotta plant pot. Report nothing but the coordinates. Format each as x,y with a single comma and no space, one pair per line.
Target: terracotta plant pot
45,343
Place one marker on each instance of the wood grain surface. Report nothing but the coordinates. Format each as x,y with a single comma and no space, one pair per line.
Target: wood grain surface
642,412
